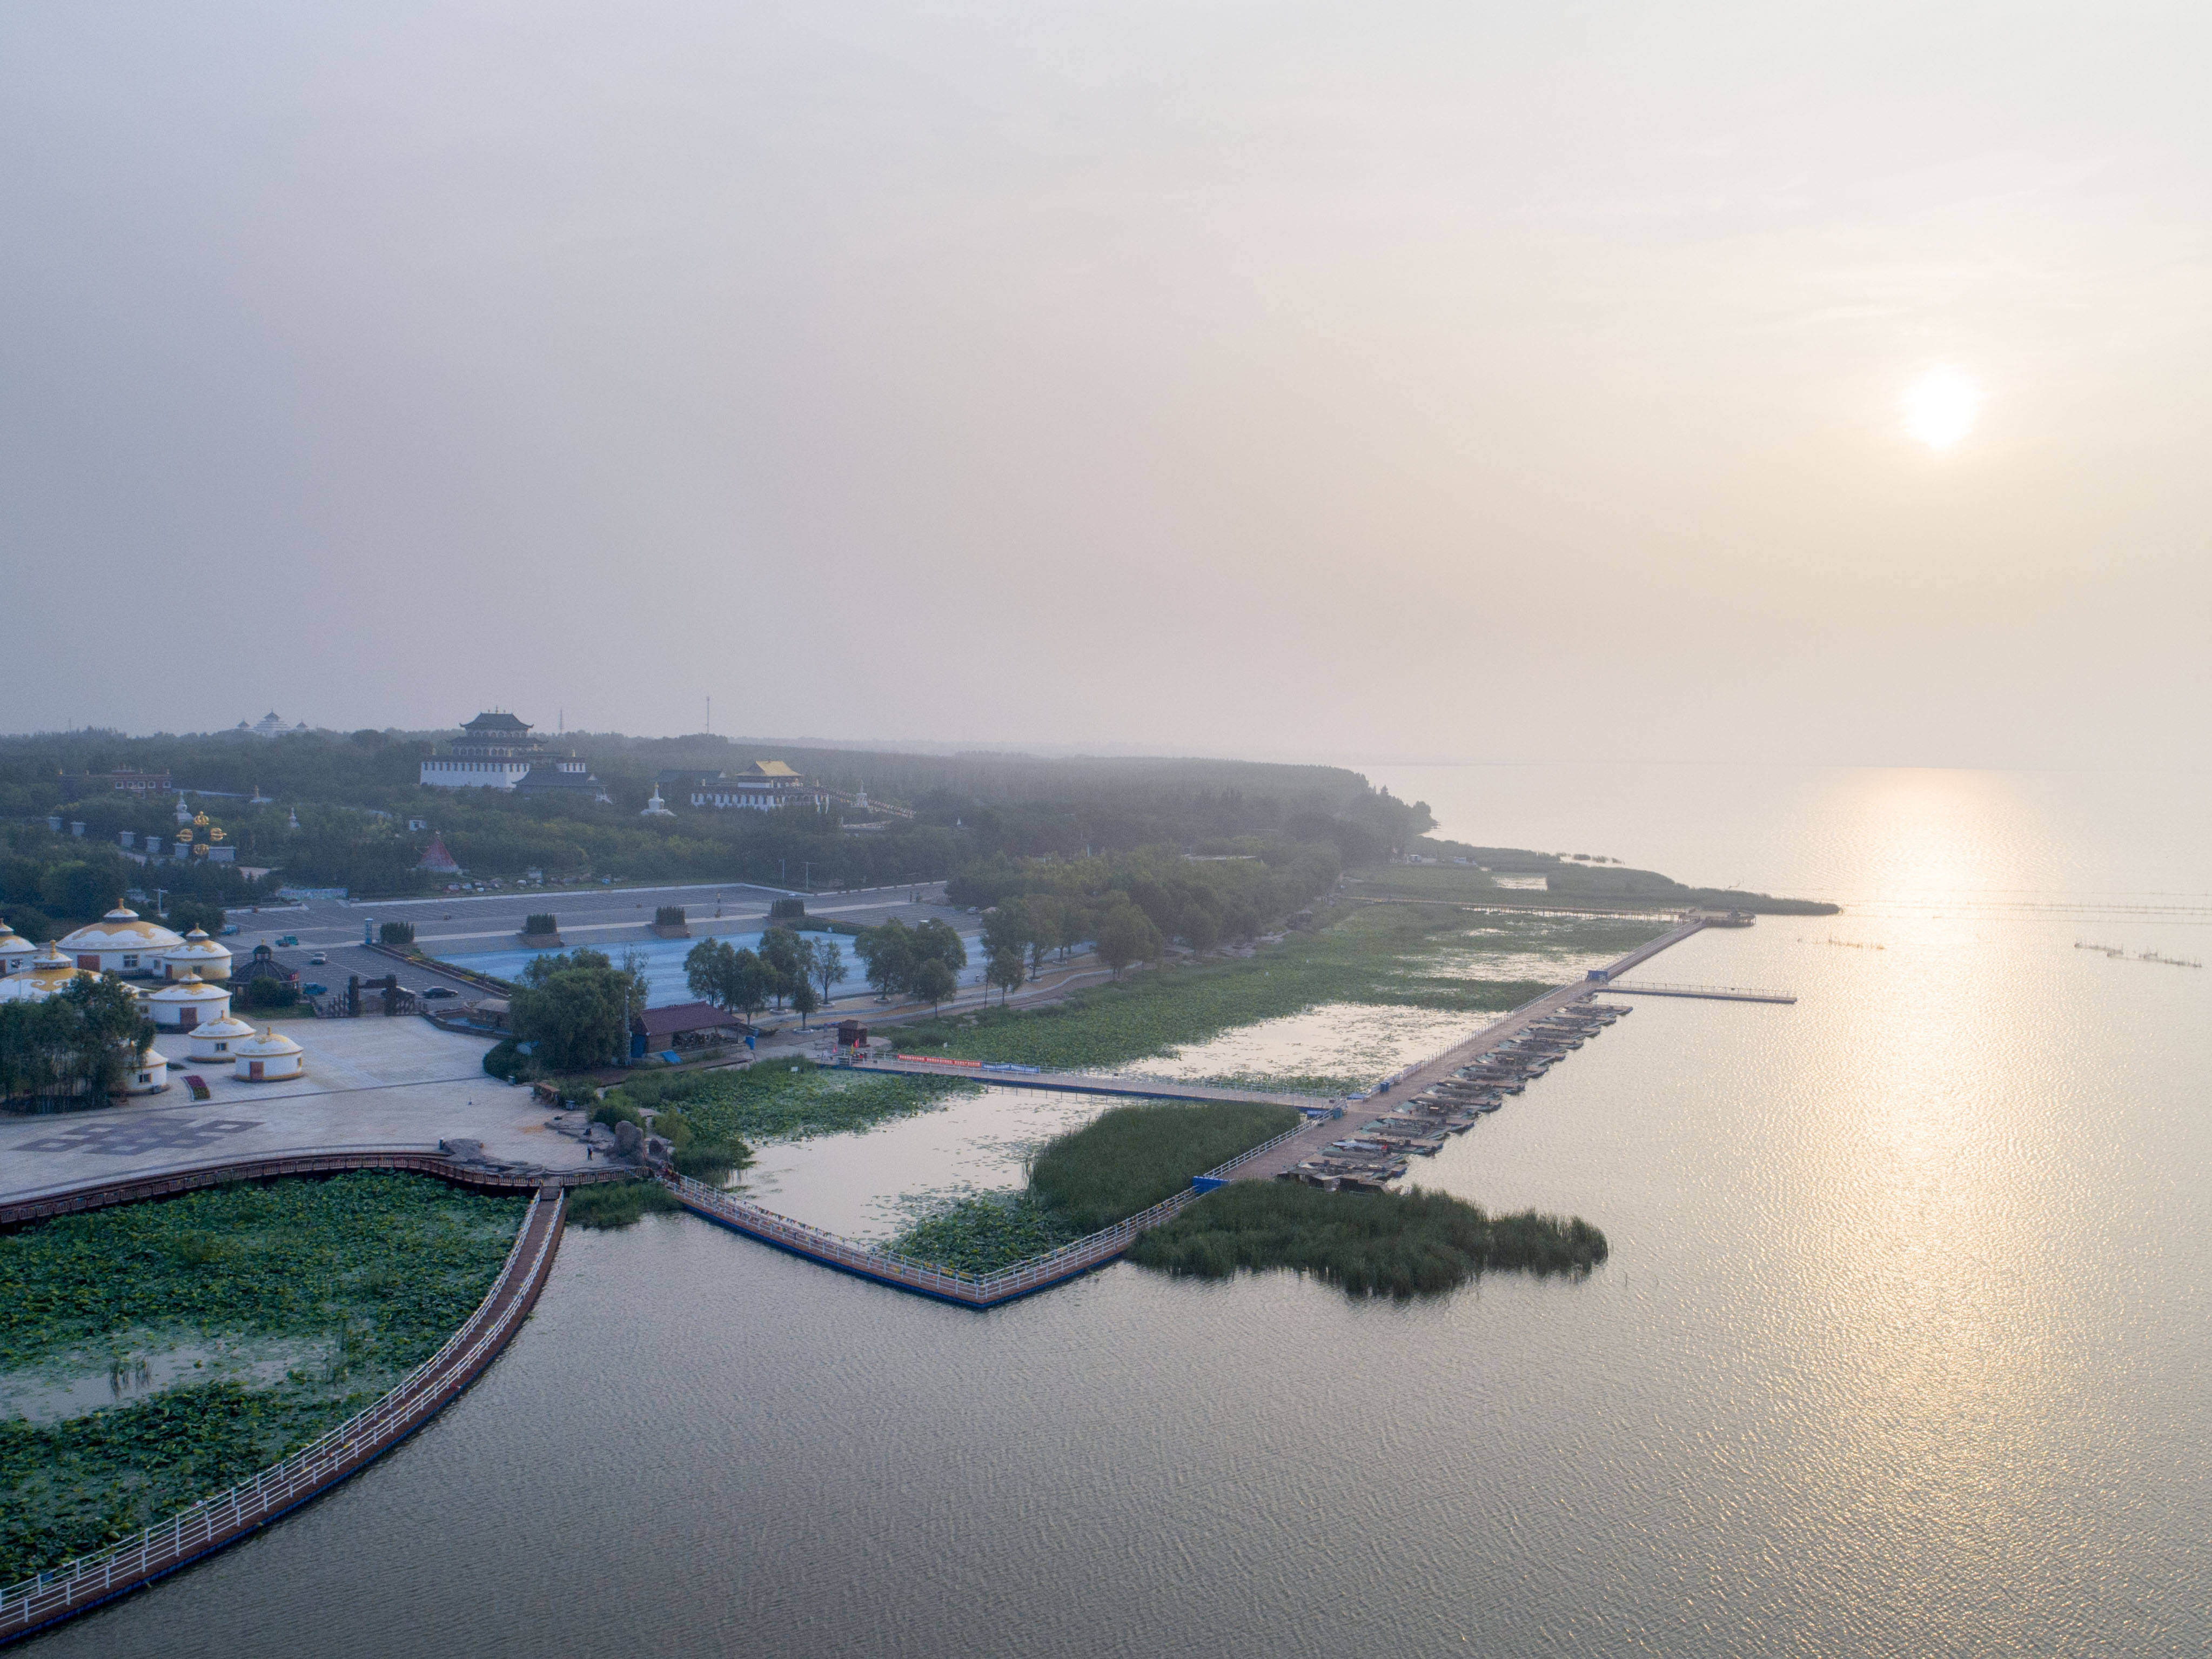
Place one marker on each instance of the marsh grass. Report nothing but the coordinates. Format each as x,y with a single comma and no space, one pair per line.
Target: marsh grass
616,1204
1394,1244
1130,1157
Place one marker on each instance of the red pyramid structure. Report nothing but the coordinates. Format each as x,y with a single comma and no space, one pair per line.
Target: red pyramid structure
437,859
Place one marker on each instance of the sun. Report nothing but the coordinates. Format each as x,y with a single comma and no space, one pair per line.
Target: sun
1939,408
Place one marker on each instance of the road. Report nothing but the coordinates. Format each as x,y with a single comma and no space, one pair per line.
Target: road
604,918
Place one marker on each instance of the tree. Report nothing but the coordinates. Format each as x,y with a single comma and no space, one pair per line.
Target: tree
1007,933
785,959
937,939
578,1015
747,987
1125,934
1201,928
704,972
889,954
934,982
804,1000
185,914
396,933
829,965
78,889
1006,971
76,1043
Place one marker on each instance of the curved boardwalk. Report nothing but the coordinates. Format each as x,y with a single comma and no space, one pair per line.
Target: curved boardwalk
227,1516
413,1160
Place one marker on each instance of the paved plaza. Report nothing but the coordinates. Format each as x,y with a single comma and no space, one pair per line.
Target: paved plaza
370,1082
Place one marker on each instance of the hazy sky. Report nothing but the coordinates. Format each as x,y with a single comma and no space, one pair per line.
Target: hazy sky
1452,381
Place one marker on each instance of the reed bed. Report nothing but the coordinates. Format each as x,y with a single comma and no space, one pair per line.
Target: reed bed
1394,1244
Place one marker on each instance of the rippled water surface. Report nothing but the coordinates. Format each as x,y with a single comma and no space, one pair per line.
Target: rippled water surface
1902,1349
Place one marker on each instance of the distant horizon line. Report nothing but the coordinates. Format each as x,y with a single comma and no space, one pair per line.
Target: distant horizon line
950,749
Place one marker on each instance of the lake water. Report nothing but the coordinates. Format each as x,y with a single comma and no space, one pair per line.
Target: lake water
1902,1349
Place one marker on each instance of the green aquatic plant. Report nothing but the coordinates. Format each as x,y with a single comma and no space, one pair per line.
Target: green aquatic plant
1130,1157
615,1204
792,1100
1396,1244
982,1234
368,1271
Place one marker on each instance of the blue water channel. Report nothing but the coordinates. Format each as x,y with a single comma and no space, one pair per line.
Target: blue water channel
663,963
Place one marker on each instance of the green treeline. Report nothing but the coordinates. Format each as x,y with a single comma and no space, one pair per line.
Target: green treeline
353,794
1370,1243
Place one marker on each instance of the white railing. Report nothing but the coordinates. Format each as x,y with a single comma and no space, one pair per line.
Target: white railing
92,1577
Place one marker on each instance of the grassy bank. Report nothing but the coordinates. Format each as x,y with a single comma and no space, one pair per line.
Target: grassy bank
1386,955
1127,1160
787,1100
261,1315
1370,1243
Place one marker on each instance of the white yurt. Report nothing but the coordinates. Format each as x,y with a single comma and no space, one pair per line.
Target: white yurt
148,1076
49,971
119,943
15,951
195,953
190,1001
266,1058
214,1040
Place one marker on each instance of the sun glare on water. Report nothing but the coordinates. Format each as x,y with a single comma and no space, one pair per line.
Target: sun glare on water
1939,408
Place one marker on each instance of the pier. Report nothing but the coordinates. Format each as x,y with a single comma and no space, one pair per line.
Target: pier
1710,992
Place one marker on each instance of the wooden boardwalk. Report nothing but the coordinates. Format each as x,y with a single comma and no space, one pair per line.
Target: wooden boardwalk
227,1516
927,1279
1075,1083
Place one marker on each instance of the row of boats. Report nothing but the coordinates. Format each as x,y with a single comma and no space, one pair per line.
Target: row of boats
1381,1151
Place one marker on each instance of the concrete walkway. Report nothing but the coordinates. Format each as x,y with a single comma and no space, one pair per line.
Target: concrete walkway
369,1082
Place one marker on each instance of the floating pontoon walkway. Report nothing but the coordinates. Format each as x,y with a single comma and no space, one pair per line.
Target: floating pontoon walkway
1713,992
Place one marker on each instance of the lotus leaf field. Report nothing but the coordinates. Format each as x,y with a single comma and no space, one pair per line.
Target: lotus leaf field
302,1299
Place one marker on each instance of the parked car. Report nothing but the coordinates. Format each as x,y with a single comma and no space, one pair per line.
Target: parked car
316,990
438,993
